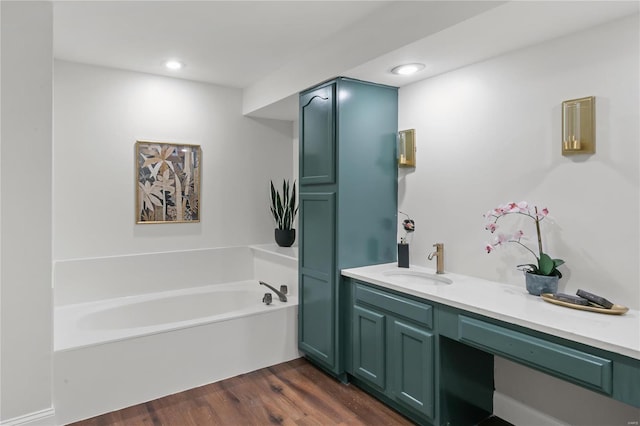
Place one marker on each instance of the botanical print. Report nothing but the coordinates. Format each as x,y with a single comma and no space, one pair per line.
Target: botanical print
168,182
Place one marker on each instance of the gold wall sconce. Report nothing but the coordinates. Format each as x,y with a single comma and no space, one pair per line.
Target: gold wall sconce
578,126
407,148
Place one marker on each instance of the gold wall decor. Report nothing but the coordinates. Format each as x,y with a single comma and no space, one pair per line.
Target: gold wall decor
407,148
578,126
167,182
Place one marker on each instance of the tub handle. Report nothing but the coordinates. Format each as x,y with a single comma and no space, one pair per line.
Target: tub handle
267,298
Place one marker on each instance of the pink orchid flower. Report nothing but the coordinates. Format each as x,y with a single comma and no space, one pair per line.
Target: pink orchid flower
502,238
491,227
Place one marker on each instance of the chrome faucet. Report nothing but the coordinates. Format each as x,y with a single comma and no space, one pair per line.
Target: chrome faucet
439,253
280,294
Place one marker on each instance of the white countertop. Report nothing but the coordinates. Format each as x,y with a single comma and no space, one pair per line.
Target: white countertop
512,304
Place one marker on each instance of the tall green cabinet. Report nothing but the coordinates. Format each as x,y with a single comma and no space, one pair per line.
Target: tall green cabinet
348,202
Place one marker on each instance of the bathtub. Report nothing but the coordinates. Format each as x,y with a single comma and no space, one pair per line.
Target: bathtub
111,320
121,351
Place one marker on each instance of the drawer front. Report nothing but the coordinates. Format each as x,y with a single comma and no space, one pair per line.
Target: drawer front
567,363
421,313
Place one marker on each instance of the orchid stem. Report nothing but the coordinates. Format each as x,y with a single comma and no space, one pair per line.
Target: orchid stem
538,231
528,249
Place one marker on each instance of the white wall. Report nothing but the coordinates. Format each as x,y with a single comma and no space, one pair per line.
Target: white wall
25,227
490,133
99,113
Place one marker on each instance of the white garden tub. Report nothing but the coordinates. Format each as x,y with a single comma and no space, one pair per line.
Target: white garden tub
111,320
121,351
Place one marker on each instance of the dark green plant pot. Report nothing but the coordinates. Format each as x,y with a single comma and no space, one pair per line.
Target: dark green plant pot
538,284
285,237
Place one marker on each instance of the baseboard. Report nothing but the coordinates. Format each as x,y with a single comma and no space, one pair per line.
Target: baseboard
517,413
37,418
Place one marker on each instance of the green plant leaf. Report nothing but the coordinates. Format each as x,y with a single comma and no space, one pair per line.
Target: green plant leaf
279,209
285,194
274,206
556,273
557,262
545,264
529,267
273,195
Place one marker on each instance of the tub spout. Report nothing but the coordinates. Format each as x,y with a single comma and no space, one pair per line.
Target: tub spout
280,294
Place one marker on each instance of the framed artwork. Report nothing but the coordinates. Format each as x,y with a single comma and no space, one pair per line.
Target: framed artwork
168,182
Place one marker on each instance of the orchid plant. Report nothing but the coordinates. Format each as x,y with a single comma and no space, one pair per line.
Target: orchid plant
545,264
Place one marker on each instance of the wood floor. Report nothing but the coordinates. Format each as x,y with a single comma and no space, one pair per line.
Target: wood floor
292,393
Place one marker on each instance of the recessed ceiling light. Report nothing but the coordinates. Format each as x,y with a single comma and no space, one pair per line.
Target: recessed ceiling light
174,65
407,69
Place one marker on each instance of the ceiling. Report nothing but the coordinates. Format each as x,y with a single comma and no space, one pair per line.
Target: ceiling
274,49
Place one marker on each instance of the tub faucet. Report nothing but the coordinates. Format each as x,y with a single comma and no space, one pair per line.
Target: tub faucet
280,294
439,253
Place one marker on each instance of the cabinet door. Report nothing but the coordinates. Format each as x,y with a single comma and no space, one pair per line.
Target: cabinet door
317,136
317,293
411,366
369,343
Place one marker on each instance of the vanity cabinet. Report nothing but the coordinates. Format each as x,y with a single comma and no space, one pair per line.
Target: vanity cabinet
604,372
393,348
434,362
348,202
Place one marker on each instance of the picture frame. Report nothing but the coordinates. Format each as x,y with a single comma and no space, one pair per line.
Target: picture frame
167,182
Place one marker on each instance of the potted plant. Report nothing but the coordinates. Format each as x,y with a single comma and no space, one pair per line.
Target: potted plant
542,276
284,210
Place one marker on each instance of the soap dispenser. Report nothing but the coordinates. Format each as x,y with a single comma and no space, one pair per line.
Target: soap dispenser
403,247
403,254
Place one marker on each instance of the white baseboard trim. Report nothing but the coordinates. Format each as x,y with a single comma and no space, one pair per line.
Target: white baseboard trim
37,418
517,413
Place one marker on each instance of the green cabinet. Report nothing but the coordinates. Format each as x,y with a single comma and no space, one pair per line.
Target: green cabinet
317,135
317,317
434,363
348,202
412,366
369,346
607,373
393,349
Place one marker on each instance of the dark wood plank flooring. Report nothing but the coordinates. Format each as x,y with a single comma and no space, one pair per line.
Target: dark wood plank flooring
292,393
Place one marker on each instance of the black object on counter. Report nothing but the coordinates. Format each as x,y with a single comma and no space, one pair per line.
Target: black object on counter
595,299
403,255
569,298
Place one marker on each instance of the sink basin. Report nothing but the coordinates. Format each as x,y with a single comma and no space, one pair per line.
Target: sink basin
409,276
